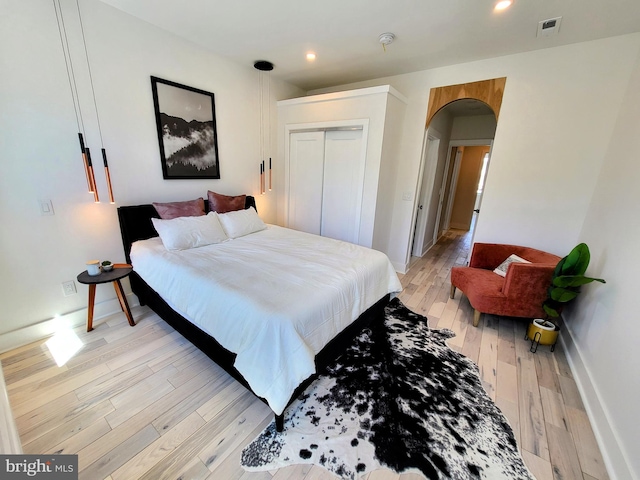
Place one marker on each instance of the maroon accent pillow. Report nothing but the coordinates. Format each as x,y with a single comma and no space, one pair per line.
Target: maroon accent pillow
224,203
190,208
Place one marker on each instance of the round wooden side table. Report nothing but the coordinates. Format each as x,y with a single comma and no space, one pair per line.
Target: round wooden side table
119,271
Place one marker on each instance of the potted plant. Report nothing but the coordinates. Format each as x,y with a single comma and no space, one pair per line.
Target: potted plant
107,266
567,279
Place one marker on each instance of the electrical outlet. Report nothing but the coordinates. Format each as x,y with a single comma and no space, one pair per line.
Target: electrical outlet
69,288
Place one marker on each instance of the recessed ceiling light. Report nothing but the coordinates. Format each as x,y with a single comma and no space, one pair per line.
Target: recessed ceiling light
311,56
503,4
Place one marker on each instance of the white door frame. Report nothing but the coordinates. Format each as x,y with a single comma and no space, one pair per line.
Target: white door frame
430,155
484,180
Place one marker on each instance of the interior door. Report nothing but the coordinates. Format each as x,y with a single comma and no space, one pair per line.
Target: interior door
422,239
467,186
306,171
442,219
343,183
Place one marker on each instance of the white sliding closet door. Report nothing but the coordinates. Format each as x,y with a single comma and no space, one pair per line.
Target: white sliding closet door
342,186
326,178
306,164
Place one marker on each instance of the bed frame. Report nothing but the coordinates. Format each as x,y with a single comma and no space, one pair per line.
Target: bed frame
136,224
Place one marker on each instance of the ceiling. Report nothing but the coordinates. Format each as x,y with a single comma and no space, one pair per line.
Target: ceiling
468,108
344,33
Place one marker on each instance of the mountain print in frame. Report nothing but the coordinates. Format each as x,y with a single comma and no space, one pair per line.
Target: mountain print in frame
186,122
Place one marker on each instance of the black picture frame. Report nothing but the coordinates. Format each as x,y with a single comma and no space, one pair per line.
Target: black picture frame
187,134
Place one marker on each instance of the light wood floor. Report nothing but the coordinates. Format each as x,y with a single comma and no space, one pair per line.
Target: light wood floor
142,402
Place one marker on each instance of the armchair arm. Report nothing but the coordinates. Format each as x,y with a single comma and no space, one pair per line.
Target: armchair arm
528,282
489,255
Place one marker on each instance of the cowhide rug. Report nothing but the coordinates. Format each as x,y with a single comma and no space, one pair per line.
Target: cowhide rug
397,398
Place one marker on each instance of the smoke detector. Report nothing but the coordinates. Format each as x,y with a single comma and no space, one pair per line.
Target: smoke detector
386,38
549,27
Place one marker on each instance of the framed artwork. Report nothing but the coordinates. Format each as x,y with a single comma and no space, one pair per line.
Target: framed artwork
186,122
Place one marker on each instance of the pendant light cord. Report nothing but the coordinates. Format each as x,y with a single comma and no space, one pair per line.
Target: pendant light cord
71,77
69,65
261,116
269,110
93,92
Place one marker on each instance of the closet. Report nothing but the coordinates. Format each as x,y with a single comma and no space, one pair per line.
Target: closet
326,175
338,157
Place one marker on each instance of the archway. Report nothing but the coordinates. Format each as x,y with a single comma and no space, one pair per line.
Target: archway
488,93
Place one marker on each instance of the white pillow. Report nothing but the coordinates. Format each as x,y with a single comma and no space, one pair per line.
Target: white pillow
183,233
241,222
502,268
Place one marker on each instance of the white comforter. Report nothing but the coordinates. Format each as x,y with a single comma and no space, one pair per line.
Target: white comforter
274,297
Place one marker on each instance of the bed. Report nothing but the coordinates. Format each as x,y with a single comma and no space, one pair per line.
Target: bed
272,307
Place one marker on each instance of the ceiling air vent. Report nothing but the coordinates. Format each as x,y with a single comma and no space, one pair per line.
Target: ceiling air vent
549,27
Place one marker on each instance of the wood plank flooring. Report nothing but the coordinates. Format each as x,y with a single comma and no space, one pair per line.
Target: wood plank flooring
144,403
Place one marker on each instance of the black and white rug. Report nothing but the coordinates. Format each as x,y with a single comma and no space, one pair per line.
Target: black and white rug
397,398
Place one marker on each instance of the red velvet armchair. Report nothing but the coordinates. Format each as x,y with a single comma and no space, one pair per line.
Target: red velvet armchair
519,294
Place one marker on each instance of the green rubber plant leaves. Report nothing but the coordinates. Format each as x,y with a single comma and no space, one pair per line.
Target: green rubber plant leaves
558,270
574,280
563,295
567,278
577,261
552,312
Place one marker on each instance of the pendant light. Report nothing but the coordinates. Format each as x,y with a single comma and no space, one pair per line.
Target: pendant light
95,105
85,151
264,67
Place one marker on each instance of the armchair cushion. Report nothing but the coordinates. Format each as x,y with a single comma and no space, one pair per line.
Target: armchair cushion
519,294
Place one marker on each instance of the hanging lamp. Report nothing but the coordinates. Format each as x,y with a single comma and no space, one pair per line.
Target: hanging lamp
264,66
85,151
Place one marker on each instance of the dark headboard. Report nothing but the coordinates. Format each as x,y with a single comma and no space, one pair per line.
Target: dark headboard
135,222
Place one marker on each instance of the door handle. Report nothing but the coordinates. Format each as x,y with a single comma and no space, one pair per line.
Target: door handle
420,207
477,210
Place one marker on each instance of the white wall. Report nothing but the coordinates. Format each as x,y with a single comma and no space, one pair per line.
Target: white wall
602,329
391,137
473,127
555,145
547,113
40,152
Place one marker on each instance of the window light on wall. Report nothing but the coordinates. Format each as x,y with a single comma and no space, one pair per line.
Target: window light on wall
483,172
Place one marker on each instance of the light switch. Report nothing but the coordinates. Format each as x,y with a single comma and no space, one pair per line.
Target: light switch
46,207
406,196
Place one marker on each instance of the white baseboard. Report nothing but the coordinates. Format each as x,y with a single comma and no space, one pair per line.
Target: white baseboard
426,247
9,438
400,267
459,226
403,267
46,328
613,455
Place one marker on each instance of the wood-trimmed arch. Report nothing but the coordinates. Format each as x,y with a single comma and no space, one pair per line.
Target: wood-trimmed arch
487,91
